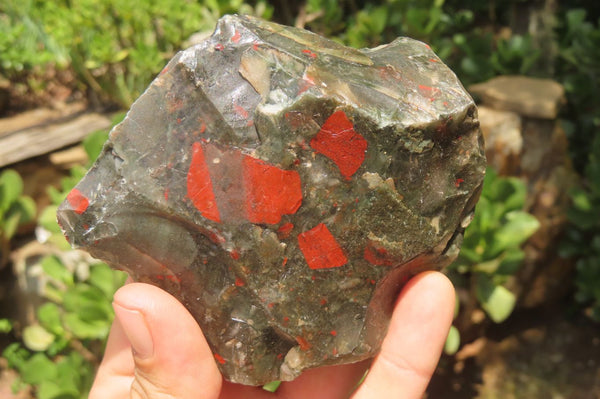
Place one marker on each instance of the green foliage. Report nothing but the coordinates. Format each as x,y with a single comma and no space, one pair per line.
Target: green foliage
115,47
24,44
491,250
15,210
452,342
583,236
53,357
272,386
474,52
65,377
578,70
478,55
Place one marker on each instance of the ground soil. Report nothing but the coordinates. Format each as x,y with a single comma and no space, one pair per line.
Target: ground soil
542,353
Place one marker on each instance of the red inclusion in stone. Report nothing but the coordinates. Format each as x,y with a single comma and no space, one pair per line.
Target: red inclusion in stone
79,203
284,230
320,249
220,358
338,141
270,192
200,187
241,111
304,344
378,256
236,37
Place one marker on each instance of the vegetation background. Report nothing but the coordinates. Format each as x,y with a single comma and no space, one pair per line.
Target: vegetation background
105,52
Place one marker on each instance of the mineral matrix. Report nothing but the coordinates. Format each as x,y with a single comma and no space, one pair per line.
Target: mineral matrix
283,188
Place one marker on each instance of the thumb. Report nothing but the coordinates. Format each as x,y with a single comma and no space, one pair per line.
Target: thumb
170,353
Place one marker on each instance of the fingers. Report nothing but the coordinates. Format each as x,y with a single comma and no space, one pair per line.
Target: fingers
323,382
169,352
115,374
416,336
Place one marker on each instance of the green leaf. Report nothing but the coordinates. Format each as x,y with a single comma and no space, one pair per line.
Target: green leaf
97,329
26,208
511,261
11,223
488,267
272,386
37,338
452,341
53,390
55,269
37,369
105,278
581,200
519,226
49,317
94,143
89,301
16,355
47,219
11,187
497,301
5,326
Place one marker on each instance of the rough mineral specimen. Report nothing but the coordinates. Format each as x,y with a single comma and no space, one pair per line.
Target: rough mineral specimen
284,187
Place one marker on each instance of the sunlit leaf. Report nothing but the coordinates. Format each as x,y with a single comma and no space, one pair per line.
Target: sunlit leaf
37,338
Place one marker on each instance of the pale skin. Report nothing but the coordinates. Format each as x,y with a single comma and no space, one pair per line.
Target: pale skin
156,350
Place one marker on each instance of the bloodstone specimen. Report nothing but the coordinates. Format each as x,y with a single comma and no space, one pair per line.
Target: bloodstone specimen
283,187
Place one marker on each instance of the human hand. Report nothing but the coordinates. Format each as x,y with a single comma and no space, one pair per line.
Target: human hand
149,357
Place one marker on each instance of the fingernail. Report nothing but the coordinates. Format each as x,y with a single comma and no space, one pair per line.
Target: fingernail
136,329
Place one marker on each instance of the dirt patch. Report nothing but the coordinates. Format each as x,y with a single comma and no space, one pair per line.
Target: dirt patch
535,354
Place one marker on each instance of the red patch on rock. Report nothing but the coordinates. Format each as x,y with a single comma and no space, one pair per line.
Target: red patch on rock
236,37
270,192
79,202
338,141
284,230
220,359
320,249
378,256
200,187
304,344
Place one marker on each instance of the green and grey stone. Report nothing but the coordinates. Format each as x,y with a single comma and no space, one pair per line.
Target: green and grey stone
257,93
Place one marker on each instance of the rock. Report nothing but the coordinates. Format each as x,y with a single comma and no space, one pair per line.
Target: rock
503,139
284,187
532,97
535,150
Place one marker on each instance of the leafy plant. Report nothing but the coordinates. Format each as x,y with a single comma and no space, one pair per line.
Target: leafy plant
491,250
115,47
15,210
578,69
57,355
583,237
